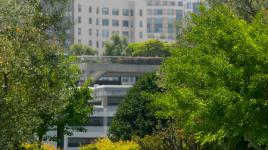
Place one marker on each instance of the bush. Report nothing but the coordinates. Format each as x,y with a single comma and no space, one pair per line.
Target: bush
35,146
107,144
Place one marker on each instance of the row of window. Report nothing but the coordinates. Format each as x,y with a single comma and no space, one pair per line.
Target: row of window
115,12
158,12
115,22
164,3
106,33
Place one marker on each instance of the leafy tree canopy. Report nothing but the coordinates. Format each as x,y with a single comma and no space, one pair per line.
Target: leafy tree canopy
116,47
79,49
216,85
149,48
35,77
134,115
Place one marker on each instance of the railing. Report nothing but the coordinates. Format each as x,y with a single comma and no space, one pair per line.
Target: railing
121,60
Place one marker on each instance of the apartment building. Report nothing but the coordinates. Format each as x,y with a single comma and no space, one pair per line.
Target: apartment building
138,20
96,20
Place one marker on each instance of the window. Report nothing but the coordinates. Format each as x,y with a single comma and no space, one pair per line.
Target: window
131,23
105,33
97,11
114,100
90,9
110,119
89,20
97,33
115,12
141,35
95,121
125,12
125,33
158,25
196,7
170,25
115,23
105,11
131,12
172,3
140,12
180,3
77,142
189,5
89,32
79,31
179,14
128,80
141,24
105,22
97,21
97,44
79,8
90,42
79,19
79,41
125,23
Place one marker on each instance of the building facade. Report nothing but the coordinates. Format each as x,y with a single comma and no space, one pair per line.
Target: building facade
111,78
138,20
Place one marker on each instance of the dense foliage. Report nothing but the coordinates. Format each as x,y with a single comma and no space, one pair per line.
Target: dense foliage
106,144
149,48
37,80
216,82
116,46
79,49
134,115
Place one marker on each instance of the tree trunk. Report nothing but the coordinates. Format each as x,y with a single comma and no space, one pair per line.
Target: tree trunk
60,136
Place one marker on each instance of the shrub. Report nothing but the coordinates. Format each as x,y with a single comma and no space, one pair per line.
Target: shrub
107,144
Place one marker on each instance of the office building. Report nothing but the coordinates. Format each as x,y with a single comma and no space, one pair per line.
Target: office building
138,20
111,79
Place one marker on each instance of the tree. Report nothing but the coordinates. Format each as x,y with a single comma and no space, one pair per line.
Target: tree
134,115
216,86
35,76
149,48
79,49
116,47
247,9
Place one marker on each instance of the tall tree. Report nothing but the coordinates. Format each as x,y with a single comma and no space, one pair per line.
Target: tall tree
35,76
134,115
216,86
247,9
116,47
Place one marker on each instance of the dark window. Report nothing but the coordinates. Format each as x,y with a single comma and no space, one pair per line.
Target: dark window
125,12
95,121
110,119
90,9
114,100
125,23
105,22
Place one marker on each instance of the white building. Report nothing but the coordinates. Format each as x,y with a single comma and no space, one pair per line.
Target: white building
112,77
96,20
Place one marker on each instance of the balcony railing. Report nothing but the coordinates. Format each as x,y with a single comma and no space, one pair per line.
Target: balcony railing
120,60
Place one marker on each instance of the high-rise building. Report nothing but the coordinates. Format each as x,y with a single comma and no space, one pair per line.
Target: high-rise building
96,20
138,20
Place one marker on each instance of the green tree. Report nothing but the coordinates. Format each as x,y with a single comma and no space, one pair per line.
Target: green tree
35,76
134,115
216,85
247,9
116,47
149,48
79,49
